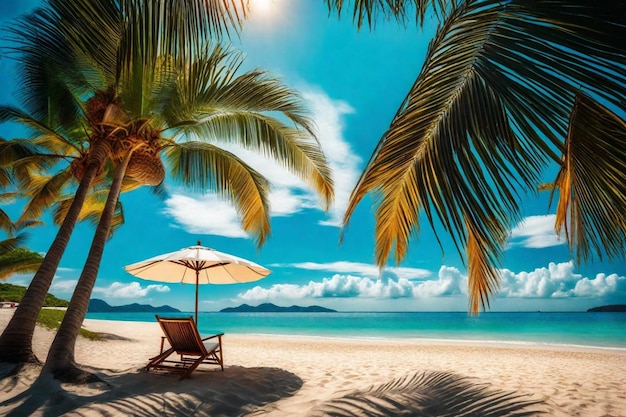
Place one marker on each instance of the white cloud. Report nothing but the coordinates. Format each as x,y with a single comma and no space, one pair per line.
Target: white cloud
364,269
449,282
535,232
131,290
204,215
328,115
63,287
289,195
557,281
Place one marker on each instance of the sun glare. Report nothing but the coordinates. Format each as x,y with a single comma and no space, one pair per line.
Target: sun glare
262,7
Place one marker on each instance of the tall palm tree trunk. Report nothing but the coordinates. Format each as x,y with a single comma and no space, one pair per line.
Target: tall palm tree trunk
60,361
16,339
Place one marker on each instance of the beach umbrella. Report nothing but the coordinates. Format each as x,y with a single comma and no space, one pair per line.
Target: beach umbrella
198,265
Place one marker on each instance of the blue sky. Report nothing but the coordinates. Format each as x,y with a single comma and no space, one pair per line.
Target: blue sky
353,83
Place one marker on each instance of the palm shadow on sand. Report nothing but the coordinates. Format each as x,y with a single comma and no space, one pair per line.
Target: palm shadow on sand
430,394
235,391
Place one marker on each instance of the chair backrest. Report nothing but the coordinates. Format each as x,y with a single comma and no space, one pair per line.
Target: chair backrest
182,335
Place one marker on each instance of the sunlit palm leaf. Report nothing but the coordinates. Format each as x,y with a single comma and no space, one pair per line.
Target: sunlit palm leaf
371,11
44,191
205,167
19,261
592,182
432,394
212,82
213,103
482,275
91,210
486,115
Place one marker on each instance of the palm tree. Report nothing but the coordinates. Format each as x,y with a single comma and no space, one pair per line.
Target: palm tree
507,88
182,107
57,85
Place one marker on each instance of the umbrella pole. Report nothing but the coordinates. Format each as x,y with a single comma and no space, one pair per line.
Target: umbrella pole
197,285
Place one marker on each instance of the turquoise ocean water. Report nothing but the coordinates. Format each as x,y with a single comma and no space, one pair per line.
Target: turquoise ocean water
605,330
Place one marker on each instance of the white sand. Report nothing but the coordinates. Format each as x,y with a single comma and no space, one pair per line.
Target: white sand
297,376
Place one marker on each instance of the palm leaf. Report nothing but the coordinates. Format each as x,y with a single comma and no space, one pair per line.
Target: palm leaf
91,209
215,105
44,191
429,394
592,204
485,116
211,82
482,275
372,10
205,167
6,224
13,243
19,261
50,66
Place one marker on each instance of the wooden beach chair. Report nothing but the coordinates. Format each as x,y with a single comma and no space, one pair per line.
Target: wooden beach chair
185,341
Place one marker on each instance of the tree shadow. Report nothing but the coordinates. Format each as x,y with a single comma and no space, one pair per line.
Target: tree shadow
431,394
232,392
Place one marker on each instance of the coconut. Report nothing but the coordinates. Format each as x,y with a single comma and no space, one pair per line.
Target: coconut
146,168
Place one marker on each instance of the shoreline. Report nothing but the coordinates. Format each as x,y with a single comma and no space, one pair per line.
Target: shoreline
271,375
426,340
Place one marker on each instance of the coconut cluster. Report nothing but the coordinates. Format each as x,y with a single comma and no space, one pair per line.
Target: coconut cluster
109,122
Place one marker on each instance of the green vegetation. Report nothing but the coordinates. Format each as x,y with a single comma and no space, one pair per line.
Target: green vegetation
14,293
51,319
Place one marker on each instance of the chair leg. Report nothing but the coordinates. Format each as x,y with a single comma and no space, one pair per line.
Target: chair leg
193,366
158,359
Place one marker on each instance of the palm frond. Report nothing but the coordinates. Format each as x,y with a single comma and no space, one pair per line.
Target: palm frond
370,11
19,261
591,211
482,257
487,113
6,224
211,83
291,148
44,191
91,209
433,394
12,243
186,24
53,70
92,31
207,168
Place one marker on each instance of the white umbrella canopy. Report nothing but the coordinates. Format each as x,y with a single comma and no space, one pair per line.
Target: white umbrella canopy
198,265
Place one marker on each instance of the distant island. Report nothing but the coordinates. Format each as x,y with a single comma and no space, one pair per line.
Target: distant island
101,306
613,308
272,308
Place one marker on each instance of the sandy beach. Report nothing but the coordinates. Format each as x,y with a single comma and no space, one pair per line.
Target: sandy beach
298,376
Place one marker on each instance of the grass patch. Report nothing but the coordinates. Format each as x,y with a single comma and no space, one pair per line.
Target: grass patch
51,319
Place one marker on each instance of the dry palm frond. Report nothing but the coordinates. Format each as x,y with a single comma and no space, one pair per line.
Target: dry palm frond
483,277
430,394
591,211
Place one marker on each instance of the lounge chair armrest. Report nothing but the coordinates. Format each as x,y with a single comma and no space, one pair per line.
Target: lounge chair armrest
215,335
